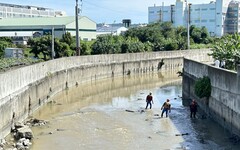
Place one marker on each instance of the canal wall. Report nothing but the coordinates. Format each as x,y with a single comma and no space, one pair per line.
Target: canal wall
224,103
24,90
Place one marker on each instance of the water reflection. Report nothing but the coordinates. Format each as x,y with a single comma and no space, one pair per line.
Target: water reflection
102,92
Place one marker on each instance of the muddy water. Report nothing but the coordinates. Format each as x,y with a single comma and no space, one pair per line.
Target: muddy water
93,116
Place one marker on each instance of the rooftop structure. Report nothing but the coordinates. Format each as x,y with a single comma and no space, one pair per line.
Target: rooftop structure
29,27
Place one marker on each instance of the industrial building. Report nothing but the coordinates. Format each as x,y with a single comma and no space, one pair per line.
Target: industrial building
25,11
30,27
219,17
114,29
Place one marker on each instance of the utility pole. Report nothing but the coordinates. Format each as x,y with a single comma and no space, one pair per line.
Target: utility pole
77,30
162,12
188,17
53,53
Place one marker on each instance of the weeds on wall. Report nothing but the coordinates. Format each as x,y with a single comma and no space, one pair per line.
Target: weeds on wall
202,87
160,64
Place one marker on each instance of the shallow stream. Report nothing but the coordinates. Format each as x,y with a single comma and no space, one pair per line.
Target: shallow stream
109,115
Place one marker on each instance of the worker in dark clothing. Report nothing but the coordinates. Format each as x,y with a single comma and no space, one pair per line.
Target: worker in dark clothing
193,109
149,100
166,107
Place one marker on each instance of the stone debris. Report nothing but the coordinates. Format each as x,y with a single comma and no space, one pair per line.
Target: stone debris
141,111
60,129
129,110
181,134
22,135
35,122
234,139
24,132
2,143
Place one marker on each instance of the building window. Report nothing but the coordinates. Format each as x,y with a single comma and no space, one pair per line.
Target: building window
212,8
196,21
197,9
151,12
212,20
204,20
204,9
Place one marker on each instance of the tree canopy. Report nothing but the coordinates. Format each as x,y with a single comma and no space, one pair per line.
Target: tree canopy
4,43
227,48
153,37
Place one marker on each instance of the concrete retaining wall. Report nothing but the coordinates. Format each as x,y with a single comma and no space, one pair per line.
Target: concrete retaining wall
25,89
224,103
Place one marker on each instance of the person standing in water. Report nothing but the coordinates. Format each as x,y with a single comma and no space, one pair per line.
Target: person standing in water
166,107
149,100
193,109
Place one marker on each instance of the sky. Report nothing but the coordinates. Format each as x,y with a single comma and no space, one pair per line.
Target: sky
104,11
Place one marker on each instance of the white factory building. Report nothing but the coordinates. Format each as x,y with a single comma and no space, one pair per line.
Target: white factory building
219,17
27,11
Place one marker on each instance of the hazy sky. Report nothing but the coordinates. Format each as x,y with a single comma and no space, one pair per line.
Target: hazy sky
104,11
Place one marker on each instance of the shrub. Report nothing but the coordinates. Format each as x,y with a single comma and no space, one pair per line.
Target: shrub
202,87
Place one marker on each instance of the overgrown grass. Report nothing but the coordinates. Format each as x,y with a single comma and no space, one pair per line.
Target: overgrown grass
7,63
200,46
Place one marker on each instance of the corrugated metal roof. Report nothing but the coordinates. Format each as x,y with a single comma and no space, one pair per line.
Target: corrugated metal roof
40,21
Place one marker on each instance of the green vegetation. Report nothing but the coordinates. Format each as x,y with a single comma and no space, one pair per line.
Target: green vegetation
41,46
6,63
227,49
154,37
202,87
4,43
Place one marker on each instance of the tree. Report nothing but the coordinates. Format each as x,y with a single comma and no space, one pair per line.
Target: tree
86,47
167,30
4,43
67,38
107,44
41,47
227,49
62,49
133,45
